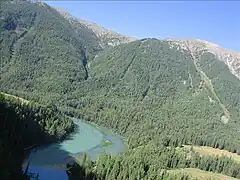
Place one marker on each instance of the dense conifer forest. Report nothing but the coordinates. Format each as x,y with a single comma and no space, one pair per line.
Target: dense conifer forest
25,125
157,94
151,162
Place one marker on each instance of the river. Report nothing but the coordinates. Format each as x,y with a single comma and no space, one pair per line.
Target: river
50,161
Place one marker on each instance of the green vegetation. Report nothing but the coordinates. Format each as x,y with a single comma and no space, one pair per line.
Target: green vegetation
213,152
24,126
199,174
42,55
14,98
106,143
143,90
150,162
156,95
153,94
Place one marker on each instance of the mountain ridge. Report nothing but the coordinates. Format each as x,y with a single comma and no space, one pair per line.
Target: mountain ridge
229,57
108,37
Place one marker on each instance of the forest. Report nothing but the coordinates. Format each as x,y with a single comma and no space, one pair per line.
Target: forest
153,92
150,162
25,125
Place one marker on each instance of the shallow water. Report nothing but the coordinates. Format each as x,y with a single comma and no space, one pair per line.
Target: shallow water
50,161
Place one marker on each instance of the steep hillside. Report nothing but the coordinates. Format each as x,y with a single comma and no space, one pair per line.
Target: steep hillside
230,58
158,90
107,37
23,125
40,51
160,94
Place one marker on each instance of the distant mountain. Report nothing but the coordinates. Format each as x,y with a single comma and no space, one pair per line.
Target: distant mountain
107,37
110,38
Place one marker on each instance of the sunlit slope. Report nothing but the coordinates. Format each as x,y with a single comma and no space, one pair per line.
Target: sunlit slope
147,90
157,91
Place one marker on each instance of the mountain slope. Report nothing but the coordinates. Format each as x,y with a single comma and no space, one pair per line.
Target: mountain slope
154,92
131,87
230,58
41,52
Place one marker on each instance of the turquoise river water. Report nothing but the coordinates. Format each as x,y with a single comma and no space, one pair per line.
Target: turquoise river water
50,161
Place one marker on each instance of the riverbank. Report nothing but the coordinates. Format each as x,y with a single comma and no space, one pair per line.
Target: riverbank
87,138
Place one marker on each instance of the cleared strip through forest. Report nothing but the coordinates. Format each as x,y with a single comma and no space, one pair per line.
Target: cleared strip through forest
209,85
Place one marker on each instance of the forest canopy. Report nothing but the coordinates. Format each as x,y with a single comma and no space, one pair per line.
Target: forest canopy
157,94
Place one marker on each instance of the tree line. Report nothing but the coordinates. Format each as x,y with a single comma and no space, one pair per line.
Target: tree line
25,125
149,162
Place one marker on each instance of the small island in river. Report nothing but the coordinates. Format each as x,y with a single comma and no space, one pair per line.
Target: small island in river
106,143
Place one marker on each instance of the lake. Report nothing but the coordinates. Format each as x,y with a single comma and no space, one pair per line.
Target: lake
49,161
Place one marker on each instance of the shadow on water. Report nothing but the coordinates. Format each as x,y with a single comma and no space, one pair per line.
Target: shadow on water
20,133
26,147
50,161
55,167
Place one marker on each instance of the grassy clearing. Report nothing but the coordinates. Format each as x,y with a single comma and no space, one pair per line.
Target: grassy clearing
201,175
213,152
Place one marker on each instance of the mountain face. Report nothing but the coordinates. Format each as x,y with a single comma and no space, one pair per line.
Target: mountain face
169,92
40,50
154,87
230,58
110,38
35,39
